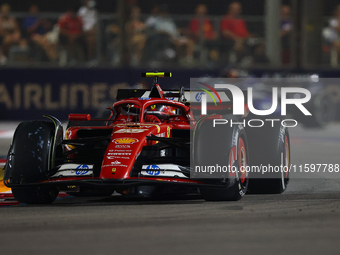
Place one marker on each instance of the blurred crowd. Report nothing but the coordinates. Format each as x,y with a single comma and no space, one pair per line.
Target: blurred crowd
331,38
71,39
151,39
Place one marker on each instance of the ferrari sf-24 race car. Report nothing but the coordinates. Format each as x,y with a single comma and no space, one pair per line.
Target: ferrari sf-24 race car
150,146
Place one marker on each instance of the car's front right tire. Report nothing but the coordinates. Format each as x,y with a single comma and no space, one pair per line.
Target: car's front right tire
224,146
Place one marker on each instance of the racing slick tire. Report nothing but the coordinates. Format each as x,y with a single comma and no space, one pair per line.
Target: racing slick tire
221,139
322,108
269,147
29,161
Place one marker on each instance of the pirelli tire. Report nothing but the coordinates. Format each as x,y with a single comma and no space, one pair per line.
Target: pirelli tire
222,140
29,161
269,151
322,108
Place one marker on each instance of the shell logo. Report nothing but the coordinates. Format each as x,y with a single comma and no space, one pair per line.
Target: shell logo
125,140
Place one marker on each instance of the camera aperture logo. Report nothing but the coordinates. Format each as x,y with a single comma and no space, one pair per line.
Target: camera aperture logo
199,95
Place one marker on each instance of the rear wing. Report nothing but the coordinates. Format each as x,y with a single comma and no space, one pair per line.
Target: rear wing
191,96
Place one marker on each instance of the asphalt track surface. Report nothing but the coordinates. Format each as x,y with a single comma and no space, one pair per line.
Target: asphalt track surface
303,220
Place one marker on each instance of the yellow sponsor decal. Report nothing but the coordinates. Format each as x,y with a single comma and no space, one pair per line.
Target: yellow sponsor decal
168,132
158,128
125,140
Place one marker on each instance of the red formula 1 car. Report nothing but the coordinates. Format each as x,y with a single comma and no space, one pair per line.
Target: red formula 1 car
150,146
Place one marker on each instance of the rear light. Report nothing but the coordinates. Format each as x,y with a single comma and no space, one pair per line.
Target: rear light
79,117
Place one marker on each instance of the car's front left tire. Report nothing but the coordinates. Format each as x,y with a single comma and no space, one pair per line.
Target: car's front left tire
30,160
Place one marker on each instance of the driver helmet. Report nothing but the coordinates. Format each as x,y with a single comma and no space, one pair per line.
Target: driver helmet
162,112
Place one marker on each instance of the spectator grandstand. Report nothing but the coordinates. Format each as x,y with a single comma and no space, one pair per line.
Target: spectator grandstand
199,35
